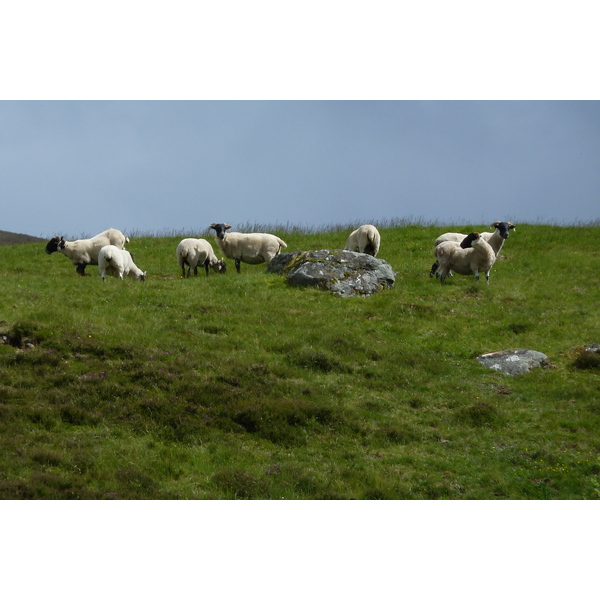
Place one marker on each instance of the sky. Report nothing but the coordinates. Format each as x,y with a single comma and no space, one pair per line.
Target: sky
78,167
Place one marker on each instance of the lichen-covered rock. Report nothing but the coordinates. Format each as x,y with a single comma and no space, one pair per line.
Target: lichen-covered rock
514,362
342,272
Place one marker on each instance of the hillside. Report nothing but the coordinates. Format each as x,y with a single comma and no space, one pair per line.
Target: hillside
239,386
8,239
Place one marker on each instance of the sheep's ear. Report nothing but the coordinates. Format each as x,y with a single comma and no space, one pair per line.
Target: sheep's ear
510,225
227,226
495,224
213,226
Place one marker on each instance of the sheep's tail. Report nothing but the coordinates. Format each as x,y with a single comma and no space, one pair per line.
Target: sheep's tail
282,243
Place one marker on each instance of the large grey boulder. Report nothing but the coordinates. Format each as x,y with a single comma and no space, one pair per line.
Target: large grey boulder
514,362
342,272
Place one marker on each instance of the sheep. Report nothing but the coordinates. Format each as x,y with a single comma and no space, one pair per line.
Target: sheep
192,252
118,262
495,239
251,248
473,255
85,252
365,239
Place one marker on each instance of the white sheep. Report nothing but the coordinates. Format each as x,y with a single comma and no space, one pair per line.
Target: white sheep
118,262
472,255
85,252
251,248
193,252
495,239
365,239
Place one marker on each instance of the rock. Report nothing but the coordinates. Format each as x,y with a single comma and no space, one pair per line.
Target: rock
342,272
514,362
592,348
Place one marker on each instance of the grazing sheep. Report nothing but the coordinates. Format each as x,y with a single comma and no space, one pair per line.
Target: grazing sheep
192,252
251,248
365,239
118,262
495,239
472,255
85,252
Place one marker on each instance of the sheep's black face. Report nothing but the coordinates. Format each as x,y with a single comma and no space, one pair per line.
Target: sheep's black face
220,229
53,245
468,241
504,228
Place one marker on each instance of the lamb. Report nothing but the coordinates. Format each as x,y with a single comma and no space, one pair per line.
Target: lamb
495,239
251,248
365,239
192,252
472,255
118,262
85,252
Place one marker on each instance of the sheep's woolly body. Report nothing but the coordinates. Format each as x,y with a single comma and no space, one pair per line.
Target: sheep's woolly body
251,248
192,252
117,263
85,252
472,256
365,239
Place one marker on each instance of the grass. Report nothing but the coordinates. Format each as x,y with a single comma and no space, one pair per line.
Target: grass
238,386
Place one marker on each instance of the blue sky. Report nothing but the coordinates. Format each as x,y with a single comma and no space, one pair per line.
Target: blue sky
78,167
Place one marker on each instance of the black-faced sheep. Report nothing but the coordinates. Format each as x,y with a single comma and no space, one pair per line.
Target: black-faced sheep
472,256
495,239
118,262
365,239
251,248
192,252
85,252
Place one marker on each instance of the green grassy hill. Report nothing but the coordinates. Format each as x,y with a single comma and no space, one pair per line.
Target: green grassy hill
238,386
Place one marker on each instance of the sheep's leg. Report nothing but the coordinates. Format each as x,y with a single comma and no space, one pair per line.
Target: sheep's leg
206,263
81,268
434,268
237,265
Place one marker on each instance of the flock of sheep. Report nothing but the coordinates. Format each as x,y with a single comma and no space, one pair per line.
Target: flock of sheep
464,254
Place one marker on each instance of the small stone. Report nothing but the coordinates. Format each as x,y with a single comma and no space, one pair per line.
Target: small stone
513,362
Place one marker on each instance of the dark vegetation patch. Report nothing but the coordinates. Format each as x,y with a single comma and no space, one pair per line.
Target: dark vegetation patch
480,414
518,328
285,421
318,360
41,485
238,483
587,358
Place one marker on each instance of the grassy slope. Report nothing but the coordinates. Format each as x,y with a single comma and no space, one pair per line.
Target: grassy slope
241,387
